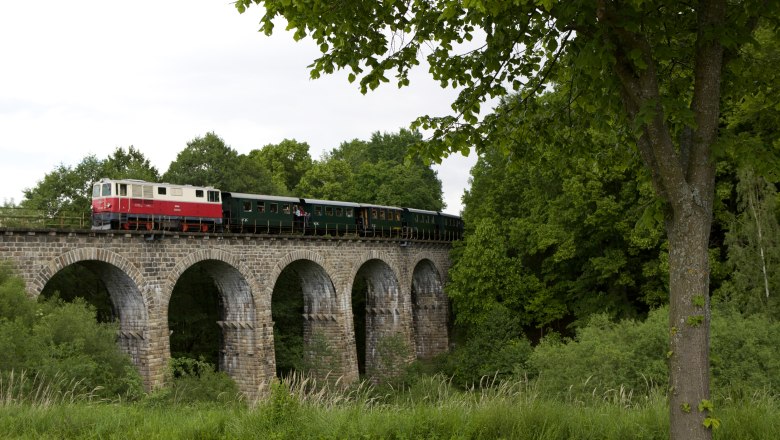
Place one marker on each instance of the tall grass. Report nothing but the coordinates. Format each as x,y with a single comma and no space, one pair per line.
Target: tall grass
38,391
299,407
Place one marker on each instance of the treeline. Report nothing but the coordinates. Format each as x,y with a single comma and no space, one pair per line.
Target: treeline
372,171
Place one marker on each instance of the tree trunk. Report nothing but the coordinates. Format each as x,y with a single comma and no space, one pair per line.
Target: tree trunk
689,321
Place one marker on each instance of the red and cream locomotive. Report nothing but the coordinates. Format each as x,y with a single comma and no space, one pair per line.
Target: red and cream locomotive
136,204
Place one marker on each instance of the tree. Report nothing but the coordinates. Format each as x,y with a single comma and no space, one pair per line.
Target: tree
572,205
657,65
753,244
208,161
68,190
376,171
130,164
287,162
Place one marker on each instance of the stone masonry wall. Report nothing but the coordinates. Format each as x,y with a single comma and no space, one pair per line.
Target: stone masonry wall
140,271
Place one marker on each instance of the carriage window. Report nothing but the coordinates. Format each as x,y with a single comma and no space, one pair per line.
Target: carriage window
274,208
260,206
96,191
161,190
286,208
213,196
381,214
373,213
199,193
339,212
397,216
318,210
122,189
247,206
329,211
106,189
349,212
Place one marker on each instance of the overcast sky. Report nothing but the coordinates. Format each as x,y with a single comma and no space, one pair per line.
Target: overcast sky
88,76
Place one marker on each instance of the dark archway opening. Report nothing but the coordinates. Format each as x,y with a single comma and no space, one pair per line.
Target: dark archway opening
194,310
287,313
81,280
359,304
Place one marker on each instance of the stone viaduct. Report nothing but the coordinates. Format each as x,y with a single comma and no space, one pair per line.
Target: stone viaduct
404,298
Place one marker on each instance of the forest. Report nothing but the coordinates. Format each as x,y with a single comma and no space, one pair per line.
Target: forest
561,291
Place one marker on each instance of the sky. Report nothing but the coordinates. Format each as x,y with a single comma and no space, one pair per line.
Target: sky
88,76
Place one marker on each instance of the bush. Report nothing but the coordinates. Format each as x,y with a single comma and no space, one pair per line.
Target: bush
604,355
195,381
631,356
59,341
743,354
496,348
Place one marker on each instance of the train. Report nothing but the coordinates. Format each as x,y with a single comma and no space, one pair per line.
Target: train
129,204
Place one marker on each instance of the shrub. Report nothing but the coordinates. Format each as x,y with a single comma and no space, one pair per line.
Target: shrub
194,381
495,348
62,342
604,355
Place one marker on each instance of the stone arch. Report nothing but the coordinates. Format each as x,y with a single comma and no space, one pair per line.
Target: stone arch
430,309
239,355
324,335
386,344
122,280
203,255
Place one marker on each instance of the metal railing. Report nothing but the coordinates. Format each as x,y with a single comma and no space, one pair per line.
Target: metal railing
16,217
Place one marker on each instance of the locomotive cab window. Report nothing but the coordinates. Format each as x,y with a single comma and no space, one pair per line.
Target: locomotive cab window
213,196
106,189
199,193
247,206
96,191
161,190
122,189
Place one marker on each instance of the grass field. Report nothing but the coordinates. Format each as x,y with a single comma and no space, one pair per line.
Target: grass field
431,409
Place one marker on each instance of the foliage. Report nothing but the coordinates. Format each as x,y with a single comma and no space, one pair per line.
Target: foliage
753,242
194,381
287,162
208,161
78,281
286,311
375,171
193,312
632,355
604,355
563,227
62,341
494,348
